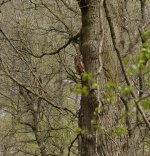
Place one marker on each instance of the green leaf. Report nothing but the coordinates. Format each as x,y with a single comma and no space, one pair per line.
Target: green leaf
146,103
85,91
120,131
131,72
110,85
79,131
98,110
125,90
94,86
78,89
146,45
86,76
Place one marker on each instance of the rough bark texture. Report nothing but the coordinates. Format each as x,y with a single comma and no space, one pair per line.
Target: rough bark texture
119,23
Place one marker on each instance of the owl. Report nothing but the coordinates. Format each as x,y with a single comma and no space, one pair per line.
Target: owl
79,66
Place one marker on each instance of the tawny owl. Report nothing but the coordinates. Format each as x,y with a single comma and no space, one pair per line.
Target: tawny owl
79,66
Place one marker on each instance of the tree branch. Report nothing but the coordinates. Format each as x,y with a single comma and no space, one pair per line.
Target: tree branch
33,92
74,38
113,36
3,2
70,146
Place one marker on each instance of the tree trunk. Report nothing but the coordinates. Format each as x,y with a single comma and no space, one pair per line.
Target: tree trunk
110,30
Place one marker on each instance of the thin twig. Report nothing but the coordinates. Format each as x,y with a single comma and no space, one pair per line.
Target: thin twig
70,146
33,92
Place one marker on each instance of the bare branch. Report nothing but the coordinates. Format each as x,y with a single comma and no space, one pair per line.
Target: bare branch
3,2
70,146
33,92
74,38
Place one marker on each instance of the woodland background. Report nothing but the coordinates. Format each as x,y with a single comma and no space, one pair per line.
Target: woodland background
46,107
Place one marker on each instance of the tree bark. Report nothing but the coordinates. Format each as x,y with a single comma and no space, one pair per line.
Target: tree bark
110,30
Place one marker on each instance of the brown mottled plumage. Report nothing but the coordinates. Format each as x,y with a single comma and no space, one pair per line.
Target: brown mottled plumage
79,66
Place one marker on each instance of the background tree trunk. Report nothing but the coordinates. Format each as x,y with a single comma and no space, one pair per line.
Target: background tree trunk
110,29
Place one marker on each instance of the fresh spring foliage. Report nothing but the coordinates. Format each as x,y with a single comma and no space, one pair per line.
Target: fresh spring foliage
139,68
